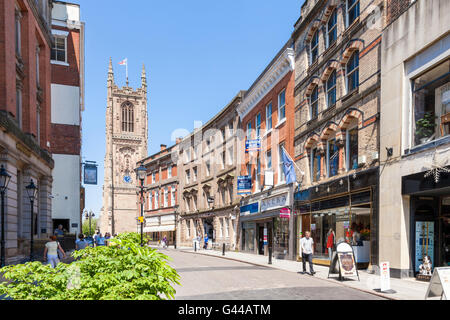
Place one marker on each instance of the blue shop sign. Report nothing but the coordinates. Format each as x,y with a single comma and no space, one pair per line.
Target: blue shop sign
252,145
249,209
302,195
244,185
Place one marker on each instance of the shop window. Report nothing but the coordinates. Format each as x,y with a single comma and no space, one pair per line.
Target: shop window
315,164
353,72
332,158
314,103
331,29
314,47
352,11
431,103
331,90
352,149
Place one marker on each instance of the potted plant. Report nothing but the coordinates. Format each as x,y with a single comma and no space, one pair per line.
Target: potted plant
425,127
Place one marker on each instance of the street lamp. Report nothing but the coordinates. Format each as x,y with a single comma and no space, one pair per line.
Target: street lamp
141,173
4,180
32,193
89,216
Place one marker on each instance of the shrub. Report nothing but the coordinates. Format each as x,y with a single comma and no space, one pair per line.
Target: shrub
122,271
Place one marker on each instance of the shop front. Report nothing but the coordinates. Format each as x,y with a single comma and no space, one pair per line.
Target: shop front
266,223
430,218
343,210
156,228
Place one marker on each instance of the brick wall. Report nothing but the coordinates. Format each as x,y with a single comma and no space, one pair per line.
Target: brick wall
66,139
394,8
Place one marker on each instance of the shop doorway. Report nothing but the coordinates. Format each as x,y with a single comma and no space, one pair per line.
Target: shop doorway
261,239
209,228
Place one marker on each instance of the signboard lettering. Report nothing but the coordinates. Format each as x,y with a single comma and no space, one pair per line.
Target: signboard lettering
244,185
252,145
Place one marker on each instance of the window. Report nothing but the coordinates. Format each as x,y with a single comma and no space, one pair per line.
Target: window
169,171
315,164
187,155
352,11
258,125
332,158
431,103
269,159
249,169
196,152
223,160
188,176
230,129
249,130
314,47
331,29
281,176
258,174
331,90
353,72
153,177
281,106
223,134
173,197
230,156
188,227
352,148
19,107
208,168
59,49
18,34
314,101
156,199
166,197
195,174
222,194
127,117
150,200
269,117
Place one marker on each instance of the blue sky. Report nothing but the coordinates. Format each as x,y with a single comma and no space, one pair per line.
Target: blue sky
198,54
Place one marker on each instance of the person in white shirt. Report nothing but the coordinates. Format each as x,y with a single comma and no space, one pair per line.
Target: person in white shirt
307,249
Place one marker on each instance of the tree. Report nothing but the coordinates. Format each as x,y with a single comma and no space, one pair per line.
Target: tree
122,271
85,226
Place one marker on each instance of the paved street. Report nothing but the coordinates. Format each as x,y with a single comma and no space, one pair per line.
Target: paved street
212,278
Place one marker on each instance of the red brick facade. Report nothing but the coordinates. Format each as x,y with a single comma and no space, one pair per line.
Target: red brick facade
66,139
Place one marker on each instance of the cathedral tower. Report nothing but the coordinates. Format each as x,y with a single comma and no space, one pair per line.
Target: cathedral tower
126,143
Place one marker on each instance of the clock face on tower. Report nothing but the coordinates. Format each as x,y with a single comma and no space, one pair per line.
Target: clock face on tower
127,179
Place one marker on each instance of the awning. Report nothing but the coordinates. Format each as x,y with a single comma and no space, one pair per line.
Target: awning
160,228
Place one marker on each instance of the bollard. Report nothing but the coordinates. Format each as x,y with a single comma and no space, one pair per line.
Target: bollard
223,249
270,255
195,246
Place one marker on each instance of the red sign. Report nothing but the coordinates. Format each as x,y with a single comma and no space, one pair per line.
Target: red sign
285,213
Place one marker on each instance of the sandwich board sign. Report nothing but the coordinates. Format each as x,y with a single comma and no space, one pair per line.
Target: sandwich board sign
385,278
343,262
439,284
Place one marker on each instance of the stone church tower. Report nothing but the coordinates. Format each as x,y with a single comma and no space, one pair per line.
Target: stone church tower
126,143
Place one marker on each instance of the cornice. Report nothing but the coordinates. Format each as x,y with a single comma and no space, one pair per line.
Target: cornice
280,67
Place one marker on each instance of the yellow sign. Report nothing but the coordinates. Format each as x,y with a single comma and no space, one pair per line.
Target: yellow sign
141,219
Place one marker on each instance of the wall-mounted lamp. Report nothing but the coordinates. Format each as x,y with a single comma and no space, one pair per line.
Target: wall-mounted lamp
390,151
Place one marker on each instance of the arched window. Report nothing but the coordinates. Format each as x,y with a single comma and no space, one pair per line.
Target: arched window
127,117
331,29
331,89
314,102
314,47
353,72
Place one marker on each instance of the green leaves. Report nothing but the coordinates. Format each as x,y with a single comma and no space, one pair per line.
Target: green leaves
122,271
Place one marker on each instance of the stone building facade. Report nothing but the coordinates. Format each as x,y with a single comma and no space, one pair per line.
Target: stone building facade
415,95
126,144
67,91
337,94
25,121
207,172
161,194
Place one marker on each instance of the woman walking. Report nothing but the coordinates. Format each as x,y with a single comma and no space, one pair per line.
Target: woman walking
51,252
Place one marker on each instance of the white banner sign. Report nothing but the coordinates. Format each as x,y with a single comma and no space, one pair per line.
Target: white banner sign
385,279
274,202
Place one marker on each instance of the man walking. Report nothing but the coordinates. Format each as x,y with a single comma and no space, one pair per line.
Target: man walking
307,247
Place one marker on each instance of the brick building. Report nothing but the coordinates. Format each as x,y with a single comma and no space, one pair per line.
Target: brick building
267,116
207,172
25,120
161,194
337,106
67,92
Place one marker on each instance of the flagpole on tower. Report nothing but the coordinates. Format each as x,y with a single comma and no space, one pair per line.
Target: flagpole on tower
126,65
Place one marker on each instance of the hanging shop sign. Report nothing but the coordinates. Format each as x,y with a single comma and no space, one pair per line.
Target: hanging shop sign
285,213
244,185
268,178
343,262
440,284
274,202
252,145
265,236
90,174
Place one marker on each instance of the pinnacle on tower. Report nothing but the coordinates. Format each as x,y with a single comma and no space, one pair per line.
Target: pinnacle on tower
110,71
143,77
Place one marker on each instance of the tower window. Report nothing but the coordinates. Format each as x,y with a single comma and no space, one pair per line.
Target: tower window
127,117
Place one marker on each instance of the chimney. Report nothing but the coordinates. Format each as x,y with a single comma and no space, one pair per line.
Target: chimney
163,147
178,140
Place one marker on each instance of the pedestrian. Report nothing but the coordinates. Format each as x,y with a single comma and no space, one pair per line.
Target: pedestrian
107,237
81,243
330,242
164,242
51,251
205,239
59,232
100,240
307,248
199,239
95,237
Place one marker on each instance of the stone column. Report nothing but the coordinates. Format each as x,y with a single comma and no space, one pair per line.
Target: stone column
341,144
45,207
323,162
